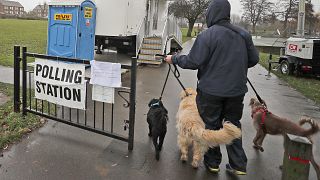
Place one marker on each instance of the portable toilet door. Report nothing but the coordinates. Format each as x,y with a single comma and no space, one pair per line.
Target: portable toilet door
86,33
62,30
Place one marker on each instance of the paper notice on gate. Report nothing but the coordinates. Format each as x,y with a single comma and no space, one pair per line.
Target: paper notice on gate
105,74
103,94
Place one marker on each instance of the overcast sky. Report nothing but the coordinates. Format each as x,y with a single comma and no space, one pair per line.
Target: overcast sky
235,4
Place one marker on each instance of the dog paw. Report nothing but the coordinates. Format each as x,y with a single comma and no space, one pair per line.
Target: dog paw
184,158
260,148
195,164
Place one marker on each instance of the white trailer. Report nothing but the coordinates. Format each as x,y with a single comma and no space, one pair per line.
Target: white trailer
140,26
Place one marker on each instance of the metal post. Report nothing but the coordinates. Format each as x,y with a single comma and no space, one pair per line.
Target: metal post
301,18
270,59
16,76
297,156
132,112
24,81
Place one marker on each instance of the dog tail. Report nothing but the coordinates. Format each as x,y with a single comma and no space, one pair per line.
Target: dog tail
314,126
226,135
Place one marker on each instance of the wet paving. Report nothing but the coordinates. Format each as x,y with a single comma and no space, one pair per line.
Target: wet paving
58,151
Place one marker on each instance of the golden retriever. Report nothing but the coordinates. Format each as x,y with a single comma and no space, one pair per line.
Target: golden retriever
191,130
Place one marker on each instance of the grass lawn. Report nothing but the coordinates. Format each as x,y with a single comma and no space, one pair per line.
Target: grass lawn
12,125
308,86
184,34
29,33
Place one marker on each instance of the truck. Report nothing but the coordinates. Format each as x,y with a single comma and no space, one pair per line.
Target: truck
140,27
301,54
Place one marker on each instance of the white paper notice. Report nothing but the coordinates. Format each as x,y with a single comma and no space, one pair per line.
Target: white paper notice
103,94
105,74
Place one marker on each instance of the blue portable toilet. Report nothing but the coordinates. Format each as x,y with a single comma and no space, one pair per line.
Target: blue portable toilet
71,29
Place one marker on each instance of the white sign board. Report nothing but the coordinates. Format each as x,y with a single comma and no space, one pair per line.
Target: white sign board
106,74
103,94
60,83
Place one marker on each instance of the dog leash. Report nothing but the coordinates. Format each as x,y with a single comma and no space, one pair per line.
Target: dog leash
165,84
259,98
175,72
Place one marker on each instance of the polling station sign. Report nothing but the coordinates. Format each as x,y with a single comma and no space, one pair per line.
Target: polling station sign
60,83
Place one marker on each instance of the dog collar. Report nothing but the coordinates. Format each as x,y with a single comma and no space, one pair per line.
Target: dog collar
155,104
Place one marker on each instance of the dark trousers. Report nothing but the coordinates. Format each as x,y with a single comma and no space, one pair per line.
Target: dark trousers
214,110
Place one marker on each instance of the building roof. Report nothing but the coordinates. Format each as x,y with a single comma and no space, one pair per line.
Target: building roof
41,7
10,3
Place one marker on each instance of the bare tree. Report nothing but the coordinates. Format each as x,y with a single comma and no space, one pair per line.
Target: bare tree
189,9
255,11
285,10
288,11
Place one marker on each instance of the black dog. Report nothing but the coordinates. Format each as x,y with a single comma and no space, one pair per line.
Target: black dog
157,119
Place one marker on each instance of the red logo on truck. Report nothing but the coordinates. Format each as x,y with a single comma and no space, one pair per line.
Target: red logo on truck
293,47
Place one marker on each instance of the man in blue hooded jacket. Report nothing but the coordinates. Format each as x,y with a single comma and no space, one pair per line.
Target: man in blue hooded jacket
222,55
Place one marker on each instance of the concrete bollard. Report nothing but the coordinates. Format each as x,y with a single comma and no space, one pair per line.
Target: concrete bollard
296,160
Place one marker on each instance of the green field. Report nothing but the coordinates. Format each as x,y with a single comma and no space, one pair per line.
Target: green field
29,33
308,86
184,34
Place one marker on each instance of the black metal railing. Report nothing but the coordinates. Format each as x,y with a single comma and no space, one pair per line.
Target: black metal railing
98,117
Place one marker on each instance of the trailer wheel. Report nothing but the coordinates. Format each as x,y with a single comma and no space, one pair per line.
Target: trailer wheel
286,67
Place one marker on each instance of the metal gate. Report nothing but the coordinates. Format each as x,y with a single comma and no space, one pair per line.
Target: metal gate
98,117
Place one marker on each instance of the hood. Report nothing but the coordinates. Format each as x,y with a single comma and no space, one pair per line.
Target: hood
218,10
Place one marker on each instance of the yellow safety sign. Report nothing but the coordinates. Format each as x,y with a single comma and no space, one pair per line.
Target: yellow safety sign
63,17
87,12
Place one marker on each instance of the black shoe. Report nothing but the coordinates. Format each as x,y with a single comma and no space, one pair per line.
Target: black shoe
213,169
234,171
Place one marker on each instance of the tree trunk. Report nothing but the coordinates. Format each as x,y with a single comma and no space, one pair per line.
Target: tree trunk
286,18
285,28
254,28
191,24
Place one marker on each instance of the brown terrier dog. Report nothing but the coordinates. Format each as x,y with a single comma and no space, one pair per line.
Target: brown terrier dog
267,123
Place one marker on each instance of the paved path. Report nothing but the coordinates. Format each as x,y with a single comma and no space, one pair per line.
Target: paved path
58,151
6,75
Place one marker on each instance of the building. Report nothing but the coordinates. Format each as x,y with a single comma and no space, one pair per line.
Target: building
41,10
11,8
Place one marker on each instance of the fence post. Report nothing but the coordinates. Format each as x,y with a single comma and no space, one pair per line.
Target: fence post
16,77
24,81
269,70
132,112
297,156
